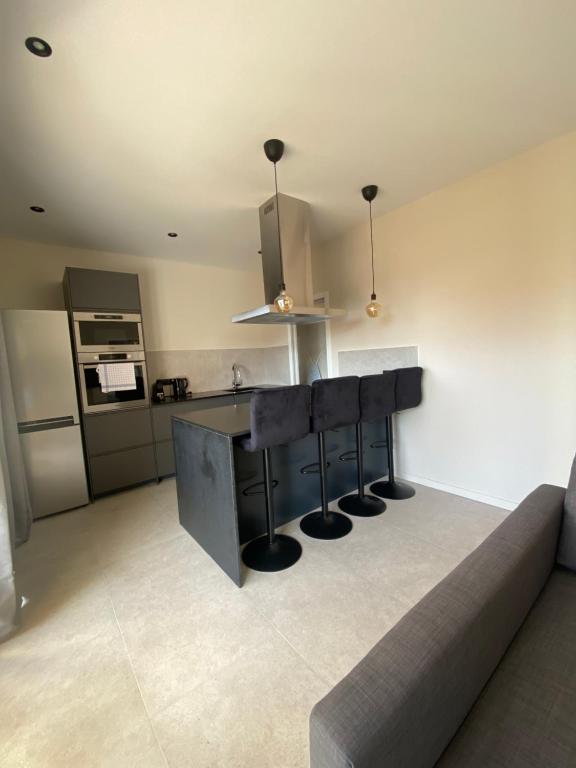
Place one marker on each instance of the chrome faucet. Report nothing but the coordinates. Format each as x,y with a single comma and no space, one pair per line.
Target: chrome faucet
236,378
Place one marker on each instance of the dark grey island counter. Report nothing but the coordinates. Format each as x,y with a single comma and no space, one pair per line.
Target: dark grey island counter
220,486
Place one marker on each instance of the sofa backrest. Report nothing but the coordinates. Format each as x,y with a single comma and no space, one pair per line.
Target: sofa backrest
567,544
403,703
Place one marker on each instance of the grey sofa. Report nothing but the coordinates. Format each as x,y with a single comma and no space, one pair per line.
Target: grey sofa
481,672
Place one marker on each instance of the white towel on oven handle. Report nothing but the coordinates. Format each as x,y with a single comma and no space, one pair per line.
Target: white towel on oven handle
116,377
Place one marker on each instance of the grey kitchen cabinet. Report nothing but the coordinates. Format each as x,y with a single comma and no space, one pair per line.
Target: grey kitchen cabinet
122,469
117,430
165,458
120,448
162,424
99,289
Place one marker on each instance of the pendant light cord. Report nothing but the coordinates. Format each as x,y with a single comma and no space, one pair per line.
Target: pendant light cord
372,247
282,285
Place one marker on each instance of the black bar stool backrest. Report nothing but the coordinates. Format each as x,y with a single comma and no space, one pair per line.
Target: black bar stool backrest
277,416
377,396
408,387
335,403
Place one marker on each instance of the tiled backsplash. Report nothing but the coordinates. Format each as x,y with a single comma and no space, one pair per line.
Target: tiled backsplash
210,369
362,362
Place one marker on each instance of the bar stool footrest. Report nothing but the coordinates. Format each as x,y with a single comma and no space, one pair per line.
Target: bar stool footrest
394,489
263,555
332,526
361,506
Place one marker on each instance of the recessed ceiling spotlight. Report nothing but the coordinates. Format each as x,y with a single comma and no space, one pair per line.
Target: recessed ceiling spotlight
38,47
172,234
37,209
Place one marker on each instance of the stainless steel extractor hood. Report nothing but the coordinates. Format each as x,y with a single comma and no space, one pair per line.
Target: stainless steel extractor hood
297,261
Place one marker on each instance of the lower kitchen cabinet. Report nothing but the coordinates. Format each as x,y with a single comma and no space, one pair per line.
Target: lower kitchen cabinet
120,448
165,458
121,469
117,430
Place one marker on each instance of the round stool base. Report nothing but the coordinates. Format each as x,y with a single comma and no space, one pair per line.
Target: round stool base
263,555
361,506
333,526
392,490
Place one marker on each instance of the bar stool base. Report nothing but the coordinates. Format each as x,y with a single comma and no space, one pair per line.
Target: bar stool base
333,526
392,490
263,555
361,506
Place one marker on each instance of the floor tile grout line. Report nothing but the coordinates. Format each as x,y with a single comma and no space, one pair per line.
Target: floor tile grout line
306,663
271,625
135,676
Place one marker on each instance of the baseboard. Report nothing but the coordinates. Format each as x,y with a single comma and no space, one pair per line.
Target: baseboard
495,501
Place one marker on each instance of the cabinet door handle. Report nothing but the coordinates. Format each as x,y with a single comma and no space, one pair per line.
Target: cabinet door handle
251,492
347,457
379,444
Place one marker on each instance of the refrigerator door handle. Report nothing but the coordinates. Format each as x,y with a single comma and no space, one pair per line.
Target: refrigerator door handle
24,427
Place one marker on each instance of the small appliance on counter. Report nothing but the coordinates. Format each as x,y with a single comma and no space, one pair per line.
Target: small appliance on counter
171,389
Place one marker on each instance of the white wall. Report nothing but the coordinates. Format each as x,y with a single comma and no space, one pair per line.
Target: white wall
481,275
185,306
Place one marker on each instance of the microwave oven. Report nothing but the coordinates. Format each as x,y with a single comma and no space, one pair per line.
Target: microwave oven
107,332
93,395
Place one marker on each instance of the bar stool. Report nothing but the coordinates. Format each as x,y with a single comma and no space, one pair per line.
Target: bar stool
408,395
376,399
277,416
334,403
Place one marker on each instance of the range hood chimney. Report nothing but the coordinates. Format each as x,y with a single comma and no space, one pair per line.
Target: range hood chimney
294,240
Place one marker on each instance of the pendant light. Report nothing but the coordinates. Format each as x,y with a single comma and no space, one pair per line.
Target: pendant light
274,149
373,308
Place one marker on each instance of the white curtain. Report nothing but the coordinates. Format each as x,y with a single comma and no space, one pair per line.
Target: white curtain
15,512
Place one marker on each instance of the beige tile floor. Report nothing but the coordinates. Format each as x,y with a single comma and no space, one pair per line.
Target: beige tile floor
136,650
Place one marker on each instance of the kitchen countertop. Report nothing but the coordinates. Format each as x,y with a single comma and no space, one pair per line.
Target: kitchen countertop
228,420
213,393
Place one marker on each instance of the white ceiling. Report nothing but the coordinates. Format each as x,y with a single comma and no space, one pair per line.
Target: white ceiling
150,116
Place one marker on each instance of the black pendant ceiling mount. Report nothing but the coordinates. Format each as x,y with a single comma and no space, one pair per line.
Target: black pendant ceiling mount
369,192
373,308
274,150
38,47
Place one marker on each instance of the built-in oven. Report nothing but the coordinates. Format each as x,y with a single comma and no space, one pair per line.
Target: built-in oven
107,332
96,392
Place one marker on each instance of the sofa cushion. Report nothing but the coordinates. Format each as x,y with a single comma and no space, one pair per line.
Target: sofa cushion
567,543
403,703
526,715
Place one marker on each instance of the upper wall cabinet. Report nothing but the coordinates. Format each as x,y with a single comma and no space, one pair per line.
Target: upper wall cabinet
101,289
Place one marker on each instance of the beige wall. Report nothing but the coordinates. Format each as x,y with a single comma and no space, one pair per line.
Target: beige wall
185,306
481,275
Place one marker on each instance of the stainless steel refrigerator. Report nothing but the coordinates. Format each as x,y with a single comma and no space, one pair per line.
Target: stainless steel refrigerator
42,375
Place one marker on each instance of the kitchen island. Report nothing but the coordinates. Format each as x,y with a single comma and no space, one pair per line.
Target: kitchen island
221,487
